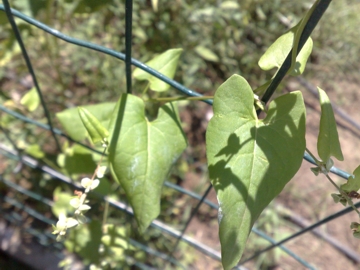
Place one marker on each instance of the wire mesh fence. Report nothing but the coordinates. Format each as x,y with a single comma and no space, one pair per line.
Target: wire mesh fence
38,205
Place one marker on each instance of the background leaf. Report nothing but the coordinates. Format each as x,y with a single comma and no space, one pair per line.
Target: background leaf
250,160
142,153
166,63
71,122
31,100
206,54
328,140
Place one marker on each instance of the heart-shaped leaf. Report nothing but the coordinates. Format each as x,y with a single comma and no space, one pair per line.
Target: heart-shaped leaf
165,63
250,160
142,153
328,140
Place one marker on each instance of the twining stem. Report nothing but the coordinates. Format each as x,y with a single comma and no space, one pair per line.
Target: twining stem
105,215
348,199
344,194
311,154
146,88
169,99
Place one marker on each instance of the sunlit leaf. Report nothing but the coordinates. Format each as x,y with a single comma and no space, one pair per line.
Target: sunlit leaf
166,63
276,54
328,140
250,160
35,151
141,153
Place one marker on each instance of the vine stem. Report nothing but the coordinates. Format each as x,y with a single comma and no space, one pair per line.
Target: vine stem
311,154
346,196
348,199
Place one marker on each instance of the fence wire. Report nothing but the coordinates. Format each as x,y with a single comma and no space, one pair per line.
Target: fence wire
47,239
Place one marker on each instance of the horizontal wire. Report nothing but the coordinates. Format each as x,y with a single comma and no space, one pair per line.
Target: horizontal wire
48,221
33,163
107,51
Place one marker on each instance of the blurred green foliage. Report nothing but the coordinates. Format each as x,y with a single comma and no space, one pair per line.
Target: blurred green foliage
219,38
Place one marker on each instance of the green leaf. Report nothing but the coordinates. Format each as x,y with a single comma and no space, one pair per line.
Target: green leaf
85,241
328,140
97,132
353,183
250,160
77,160
61,202
35,151
166,64
299,30
276,54
141,153
73,125
30,100
206,54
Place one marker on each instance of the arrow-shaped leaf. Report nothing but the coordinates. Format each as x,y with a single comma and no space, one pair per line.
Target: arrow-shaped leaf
276,54
250,160
142,153
328,140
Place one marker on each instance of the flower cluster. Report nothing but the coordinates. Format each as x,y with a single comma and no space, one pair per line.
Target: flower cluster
80,205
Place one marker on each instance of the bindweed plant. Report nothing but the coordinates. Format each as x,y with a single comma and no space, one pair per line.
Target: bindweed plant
250,159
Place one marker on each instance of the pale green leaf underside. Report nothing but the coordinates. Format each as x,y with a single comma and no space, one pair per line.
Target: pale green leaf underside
142,153
276,54
250,160
165,63
71,122
328,140
353,183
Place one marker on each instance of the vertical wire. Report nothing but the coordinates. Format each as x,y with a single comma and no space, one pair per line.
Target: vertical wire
18,151
128,43
194,212
30,68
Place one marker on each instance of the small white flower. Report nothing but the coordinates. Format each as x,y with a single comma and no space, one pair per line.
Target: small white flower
71,222
101,171
75,202
84,207
95,184
85,182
